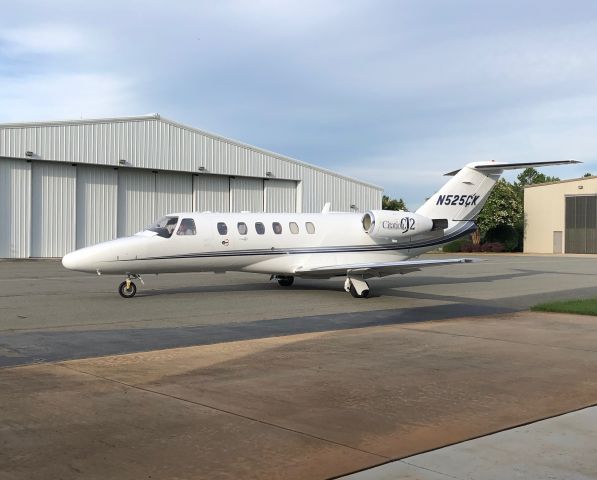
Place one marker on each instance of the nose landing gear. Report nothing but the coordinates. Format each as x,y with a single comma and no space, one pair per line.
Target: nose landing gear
128,289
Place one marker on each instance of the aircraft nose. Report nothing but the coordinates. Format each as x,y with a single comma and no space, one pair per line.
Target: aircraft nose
70,261
77,260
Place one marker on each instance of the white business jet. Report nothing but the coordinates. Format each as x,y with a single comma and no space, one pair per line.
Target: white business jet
358,246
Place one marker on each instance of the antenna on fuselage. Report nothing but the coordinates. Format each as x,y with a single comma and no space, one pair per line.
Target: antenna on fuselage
326,208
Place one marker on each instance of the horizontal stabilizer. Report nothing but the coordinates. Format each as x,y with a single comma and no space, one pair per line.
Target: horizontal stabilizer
498,166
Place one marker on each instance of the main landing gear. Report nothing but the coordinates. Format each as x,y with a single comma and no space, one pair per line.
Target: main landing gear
284,281
357,287
128,289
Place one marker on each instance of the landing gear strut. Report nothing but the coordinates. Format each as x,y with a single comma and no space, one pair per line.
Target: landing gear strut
356,286
128,289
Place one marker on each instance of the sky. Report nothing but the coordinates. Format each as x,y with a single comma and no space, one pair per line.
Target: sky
395,93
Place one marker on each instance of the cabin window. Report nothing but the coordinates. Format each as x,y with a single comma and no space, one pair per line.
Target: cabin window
277,228
186,227
164,226
293,227
260,228
242,228
222,228
310,227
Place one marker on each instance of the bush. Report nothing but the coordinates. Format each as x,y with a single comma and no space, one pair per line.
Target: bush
455,246
495,247
506,235
466,246
470,247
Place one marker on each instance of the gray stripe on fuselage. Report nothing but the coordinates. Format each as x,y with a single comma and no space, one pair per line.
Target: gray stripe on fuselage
458,232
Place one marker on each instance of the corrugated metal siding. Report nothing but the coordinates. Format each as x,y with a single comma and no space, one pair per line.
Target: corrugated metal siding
155,143
150,143
246,194
15,208
96,204
53,188
280,196
136,200
174,193
211,193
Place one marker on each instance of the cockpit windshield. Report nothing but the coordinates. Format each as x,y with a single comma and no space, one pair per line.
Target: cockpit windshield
164,226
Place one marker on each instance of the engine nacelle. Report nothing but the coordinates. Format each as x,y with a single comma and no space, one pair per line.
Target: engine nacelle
393,224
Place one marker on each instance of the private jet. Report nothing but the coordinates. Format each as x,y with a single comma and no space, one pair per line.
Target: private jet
357,246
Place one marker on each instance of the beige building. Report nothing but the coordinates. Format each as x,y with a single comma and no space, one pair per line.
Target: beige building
561,217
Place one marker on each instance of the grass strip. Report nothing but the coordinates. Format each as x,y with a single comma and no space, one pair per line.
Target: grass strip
586,306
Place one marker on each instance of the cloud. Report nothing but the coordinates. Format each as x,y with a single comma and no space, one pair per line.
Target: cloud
41,40
64,96
395,93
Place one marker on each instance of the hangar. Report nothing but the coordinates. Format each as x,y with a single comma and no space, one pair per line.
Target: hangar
561,217
70,184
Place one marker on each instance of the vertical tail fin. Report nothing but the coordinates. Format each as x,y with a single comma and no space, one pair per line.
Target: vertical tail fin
463,196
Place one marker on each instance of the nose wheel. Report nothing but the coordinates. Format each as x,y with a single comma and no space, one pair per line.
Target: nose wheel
128,289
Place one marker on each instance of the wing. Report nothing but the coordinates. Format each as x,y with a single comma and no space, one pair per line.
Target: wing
379,269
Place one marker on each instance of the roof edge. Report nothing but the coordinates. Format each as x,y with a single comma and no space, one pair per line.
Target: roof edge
560,181
158,117
267,152
81,121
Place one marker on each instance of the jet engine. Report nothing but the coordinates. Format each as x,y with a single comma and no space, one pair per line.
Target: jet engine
393,224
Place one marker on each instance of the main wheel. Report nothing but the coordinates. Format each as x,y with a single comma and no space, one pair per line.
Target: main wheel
127,292
285,281
353,292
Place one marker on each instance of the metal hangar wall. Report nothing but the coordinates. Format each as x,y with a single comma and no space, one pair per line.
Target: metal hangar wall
69,184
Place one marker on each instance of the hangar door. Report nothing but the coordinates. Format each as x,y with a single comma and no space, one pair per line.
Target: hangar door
136,200
144,196
581,224
246,194
15,208
211,193
53,187
280,196
96,204
174,193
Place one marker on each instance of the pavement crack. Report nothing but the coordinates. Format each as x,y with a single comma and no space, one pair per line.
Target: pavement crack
478,337
430,470
222,410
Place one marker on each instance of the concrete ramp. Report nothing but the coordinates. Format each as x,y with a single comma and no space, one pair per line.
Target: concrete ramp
312,405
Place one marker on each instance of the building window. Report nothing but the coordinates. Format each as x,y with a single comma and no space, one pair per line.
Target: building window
260,228
186,227
310,227
277,228
242,228
293,227
222,228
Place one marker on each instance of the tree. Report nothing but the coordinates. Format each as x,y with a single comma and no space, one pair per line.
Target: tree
388,203
588,174
530,176
502,217
503,207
